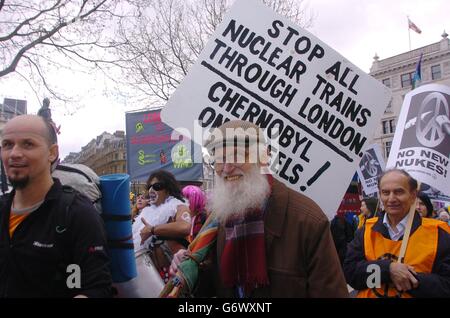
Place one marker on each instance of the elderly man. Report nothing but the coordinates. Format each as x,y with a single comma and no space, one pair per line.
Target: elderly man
267,241
425,271
48,246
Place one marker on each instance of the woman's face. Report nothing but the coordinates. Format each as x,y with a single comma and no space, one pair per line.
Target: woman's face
421,208
157,192
364,208
141,202
444,217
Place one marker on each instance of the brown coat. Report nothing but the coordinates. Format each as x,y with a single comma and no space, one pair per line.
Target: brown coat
301,257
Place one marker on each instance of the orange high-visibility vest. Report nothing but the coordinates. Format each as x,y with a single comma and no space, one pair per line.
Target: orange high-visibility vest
421,252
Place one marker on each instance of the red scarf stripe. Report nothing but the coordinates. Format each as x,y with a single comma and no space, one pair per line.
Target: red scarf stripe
243,262
204,240
242,230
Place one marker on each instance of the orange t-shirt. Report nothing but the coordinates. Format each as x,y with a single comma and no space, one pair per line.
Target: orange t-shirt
14,221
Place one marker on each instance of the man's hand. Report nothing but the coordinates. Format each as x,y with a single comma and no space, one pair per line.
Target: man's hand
146,232
178,257
402,276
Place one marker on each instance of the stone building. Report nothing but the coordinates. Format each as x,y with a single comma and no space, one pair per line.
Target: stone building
105,154
397,72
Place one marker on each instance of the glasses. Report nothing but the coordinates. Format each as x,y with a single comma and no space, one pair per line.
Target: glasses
156,186
237,158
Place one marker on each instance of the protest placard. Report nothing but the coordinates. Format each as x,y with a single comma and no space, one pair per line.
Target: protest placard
370,168
319,108
421,144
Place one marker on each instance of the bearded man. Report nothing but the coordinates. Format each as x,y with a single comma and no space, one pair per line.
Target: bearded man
47,231
262,238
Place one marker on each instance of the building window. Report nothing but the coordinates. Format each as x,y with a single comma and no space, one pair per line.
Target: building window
407,79
388,126
387,148
436,72
387,82
389,107
116,156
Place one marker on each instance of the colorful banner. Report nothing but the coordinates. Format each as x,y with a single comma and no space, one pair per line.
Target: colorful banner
152,145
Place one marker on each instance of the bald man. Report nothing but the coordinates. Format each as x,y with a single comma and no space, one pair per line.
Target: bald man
48,247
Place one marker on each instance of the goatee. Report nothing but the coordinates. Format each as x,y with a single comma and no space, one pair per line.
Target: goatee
19,183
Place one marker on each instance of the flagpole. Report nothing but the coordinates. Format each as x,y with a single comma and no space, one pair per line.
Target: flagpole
409,34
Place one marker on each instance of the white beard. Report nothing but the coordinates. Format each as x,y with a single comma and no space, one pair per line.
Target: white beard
236,197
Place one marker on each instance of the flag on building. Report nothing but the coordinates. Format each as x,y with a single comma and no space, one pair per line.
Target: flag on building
418,73
413,27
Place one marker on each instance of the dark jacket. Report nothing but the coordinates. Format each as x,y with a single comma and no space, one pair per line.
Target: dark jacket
33,263
436,284
301,257
343,233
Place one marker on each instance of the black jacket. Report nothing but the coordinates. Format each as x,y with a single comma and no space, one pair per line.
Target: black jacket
435,284
34,262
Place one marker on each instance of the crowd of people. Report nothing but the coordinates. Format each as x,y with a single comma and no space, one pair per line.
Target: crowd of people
251,236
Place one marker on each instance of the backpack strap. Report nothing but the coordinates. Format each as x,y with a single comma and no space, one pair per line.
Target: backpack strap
61,221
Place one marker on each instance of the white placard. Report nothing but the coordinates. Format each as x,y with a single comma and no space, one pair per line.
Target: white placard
260,67
370,168
421,144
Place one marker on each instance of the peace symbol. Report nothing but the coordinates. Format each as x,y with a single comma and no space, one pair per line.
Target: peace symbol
428,131
370,164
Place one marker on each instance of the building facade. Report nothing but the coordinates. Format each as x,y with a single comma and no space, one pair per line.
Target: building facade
11,108
105,154
397,73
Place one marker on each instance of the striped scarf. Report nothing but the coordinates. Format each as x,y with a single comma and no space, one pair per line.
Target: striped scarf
243,261
184,281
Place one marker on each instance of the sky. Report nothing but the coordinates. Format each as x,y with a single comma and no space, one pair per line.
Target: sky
357,29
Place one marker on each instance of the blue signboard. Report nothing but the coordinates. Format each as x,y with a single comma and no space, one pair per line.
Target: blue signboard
152,145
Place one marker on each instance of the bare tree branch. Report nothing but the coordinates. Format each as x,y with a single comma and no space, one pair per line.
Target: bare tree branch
28,21
38,70
12,66
38,39
166,39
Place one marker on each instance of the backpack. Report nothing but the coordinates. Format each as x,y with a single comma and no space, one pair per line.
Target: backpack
81,178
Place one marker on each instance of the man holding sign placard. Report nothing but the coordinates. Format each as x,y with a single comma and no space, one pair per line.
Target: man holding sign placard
263,239
372,265
320,109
